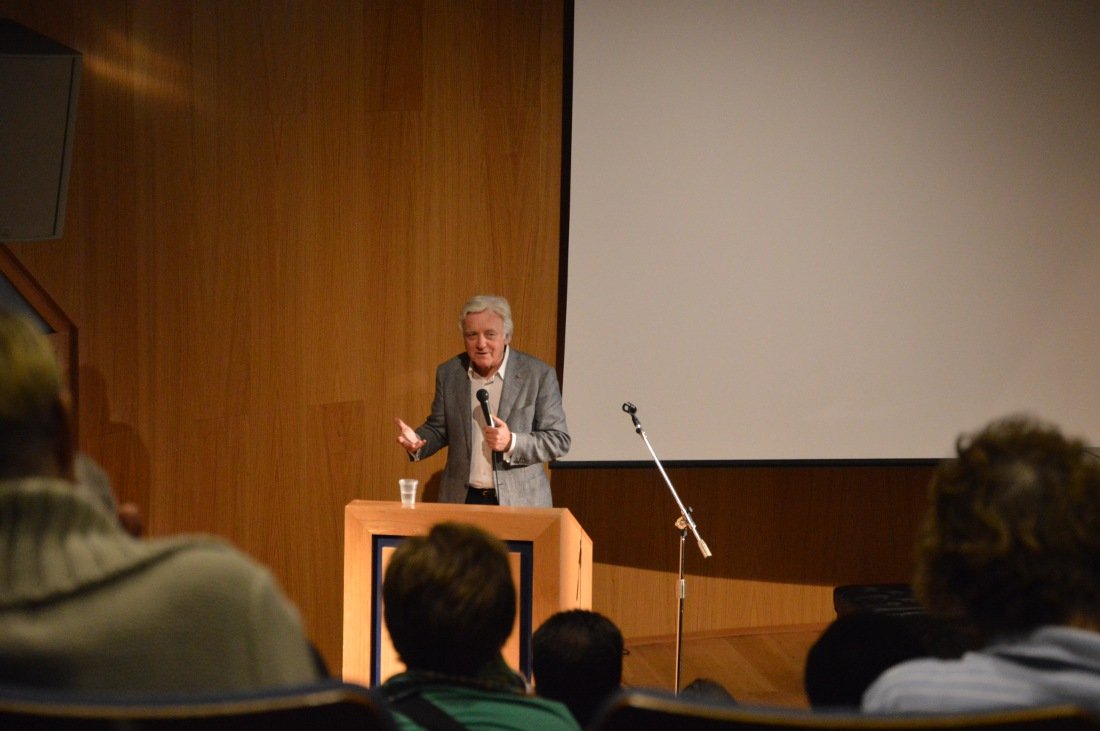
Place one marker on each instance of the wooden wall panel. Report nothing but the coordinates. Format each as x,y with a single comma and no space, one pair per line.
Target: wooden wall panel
781,537
276,211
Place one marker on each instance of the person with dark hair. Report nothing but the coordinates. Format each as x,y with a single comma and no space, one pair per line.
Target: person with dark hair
577,658
1010,543
84,605
707,690
497,411
852,652
449,603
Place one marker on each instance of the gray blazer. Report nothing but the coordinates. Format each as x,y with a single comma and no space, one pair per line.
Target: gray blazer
530,403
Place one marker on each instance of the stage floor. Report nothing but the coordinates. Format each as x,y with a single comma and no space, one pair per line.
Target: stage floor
760,666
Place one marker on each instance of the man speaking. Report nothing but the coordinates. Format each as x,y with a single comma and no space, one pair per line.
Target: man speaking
499,413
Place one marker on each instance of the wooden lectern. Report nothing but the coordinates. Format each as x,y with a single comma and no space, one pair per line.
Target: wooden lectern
551,562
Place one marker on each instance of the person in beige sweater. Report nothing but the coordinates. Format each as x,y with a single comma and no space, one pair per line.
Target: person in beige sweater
86,606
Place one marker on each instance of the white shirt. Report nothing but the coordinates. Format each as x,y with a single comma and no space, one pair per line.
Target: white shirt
1050,666
481,457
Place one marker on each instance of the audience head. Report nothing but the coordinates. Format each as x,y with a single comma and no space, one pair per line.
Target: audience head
1011,537
449,599
707,690
577,659
34,421
852,652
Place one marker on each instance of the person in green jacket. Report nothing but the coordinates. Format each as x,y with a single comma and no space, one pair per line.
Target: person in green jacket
449,605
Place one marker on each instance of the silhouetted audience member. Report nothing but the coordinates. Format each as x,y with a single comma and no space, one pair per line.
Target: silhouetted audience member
708,690
83,604
1011,543
449,605
850,655
577,658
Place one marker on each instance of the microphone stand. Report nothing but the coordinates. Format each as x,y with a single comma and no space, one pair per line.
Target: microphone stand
684,523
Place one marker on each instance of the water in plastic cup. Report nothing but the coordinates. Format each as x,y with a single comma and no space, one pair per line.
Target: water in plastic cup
408,492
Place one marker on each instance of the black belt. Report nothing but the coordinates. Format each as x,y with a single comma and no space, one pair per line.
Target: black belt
482,491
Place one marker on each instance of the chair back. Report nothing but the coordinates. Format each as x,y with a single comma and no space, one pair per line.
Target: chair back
644,710
332,706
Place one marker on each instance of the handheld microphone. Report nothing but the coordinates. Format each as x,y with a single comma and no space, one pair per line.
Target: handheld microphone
483,397
630,408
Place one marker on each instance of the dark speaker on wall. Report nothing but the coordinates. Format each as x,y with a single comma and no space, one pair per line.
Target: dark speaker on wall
39,81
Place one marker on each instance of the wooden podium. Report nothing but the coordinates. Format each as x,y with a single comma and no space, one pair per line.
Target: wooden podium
551,562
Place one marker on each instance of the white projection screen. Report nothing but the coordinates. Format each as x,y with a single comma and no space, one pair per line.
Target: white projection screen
829,230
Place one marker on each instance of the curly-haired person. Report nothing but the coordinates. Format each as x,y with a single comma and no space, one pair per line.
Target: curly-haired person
1010,544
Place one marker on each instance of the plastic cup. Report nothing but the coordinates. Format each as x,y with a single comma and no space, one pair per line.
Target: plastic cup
408,492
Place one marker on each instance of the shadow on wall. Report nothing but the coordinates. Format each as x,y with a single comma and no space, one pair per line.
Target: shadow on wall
431,488
821,525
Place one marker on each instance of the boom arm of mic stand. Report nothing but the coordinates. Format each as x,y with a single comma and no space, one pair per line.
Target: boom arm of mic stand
685,514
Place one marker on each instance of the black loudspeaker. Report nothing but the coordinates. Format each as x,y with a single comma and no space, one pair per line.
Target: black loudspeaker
39,82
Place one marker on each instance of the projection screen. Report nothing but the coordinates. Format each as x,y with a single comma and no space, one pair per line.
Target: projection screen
829,230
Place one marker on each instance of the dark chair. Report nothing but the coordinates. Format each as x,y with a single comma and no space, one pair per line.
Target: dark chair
638,710
333,706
